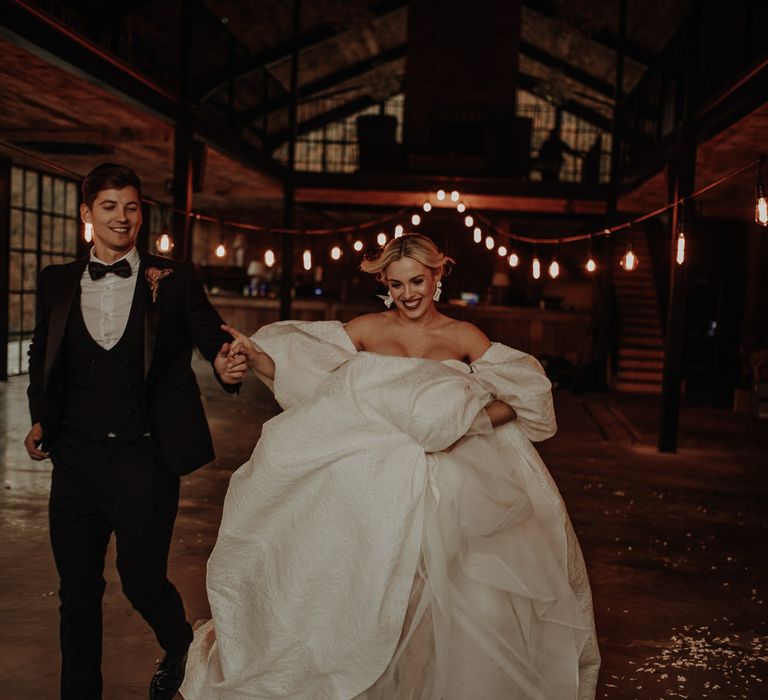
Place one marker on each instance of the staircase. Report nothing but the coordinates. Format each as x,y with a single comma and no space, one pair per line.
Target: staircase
641,343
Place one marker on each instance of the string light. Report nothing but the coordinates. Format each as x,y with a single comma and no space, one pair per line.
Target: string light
88,232
761,204
554,268
164,243
468,221
502,250
460,207
441,195
478,234
454,196
381,239
680,249
590,265
221,251
306,258
336,253
514,259
629,260
489,242
358,245
269,258
415,219
399,230
536,268
426,206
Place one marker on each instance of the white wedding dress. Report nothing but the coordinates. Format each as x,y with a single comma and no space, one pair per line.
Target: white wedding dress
384,542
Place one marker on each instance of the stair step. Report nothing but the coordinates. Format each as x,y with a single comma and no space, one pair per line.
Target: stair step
638,363
631,375
647,354
637,388
640,340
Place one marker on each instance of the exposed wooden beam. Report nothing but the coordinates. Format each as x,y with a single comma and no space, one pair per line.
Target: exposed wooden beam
256,62
633,51
44,36
580,76
325,83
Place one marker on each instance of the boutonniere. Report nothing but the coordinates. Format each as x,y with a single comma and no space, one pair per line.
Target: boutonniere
154,275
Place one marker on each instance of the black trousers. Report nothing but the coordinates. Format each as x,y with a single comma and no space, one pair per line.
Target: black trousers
99,488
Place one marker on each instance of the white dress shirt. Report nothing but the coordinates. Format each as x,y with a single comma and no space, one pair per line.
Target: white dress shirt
106,302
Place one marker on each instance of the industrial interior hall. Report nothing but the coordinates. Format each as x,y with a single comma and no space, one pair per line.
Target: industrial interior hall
596,169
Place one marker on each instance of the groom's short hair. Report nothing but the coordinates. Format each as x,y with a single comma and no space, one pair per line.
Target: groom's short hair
108,176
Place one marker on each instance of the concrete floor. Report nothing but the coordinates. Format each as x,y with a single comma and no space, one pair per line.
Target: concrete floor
675,545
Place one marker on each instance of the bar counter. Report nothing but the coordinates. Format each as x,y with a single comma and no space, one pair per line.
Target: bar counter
541,332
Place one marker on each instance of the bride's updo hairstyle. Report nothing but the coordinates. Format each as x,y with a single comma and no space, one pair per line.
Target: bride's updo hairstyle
411,245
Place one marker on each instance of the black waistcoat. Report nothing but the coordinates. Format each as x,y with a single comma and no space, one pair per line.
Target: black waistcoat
104,389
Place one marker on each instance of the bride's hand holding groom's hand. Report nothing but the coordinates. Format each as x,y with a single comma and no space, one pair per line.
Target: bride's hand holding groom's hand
230,366
242,347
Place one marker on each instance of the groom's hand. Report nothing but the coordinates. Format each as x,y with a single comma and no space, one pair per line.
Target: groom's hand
232,369
32,442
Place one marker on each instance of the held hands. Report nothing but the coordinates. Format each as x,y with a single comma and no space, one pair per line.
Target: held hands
32,443
242,347
230,364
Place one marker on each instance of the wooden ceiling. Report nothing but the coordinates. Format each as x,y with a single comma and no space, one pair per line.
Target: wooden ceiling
352,49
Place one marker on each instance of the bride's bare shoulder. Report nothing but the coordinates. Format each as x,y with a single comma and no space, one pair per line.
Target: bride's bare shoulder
472,341
361,328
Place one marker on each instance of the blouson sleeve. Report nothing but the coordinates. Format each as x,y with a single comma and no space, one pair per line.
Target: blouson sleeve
518,380
428,401
305,354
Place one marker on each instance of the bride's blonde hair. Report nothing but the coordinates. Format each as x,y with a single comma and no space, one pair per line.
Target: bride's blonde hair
411,245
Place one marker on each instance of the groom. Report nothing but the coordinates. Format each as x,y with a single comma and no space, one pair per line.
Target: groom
115,403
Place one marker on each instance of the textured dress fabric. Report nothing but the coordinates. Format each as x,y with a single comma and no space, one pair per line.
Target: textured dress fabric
384,542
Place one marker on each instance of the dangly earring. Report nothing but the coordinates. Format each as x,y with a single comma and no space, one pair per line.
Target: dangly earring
386,298
88,232
438,291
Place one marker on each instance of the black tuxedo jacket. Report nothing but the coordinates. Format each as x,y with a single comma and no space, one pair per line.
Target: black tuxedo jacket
180,318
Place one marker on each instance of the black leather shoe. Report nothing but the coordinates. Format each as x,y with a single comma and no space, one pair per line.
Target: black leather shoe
168,677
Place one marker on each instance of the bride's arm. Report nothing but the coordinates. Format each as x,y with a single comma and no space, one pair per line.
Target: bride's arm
259,361
476,344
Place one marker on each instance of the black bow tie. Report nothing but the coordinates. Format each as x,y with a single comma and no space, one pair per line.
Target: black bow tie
97,270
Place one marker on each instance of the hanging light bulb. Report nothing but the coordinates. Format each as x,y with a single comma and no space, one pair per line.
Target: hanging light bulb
164,243
502,250
381,239
88,232
306,258
554,268
590,265
221,251
269,257
489,242
468,221
441,195
761,205
336,253
399,230
460,207
415,219
536,268
478,234
454,196
358,245
427,206
680,256
629,260
514,259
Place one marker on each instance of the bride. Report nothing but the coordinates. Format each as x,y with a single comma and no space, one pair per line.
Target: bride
395,535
